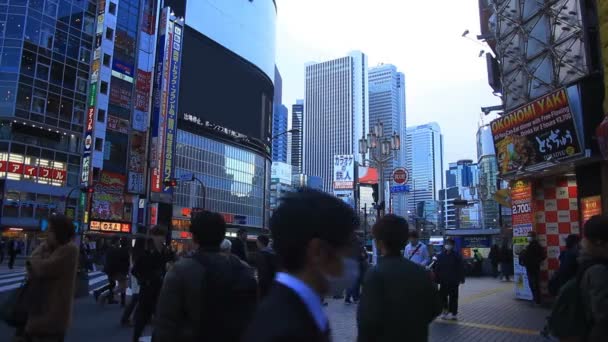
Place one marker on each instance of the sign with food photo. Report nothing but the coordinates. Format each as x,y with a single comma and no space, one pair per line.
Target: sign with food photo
542,130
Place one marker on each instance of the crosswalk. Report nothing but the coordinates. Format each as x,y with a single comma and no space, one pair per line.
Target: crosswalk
10,280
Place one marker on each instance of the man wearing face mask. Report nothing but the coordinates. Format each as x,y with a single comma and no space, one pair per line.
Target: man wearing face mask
531,258
312,233
399,301
416,251
449,269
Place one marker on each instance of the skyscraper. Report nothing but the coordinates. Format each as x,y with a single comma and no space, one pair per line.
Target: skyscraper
463,173
335,113
488,182
279,121
297,115
424,160
387,105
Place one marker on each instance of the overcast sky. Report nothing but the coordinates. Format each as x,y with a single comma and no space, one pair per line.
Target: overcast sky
445,80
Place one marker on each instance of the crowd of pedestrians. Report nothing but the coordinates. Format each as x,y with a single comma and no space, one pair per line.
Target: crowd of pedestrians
225,290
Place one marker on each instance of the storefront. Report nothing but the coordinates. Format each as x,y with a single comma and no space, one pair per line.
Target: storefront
548,151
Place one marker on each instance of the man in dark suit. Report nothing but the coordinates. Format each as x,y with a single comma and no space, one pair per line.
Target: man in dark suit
312,232
239,246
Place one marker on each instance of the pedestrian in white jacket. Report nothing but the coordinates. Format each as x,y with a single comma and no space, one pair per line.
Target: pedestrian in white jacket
416,251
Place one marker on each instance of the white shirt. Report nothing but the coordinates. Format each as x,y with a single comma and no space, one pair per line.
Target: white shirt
310,298
421,257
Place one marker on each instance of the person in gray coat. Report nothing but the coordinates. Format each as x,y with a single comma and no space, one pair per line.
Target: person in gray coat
594,278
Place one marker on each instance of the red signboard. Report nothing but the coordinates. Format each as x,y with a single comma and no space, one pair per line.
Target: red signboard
45,172
15,167
29,170
90,118
3,165
59,175
400,176
591,206
521,203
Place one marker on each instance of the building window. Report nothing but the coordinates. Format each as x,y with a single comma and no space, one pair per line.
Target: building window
109,34
106,59
112,8
98,144
81,85
101,115
104,87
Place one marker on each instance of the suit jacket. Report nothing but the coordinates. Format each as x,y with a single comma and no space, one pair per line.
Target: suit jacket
283,317
398,302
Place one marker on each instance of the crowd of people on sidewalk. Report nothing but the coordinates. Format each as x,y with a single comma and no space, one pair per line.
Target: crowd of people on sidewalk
226,290
10,248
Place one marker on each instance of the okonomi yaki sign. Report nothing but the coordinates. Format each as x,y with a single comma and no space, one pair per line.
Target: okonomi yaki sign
538,131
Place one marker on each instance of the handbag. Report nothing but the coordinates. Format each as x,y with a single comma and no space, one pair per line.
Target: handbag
14,309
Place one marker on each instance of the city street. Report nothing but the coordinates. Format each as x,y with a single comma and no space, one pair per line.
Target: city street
488,312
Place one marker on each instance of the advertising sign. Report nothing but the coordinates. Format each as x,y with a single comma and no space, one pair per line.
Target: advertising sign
344,172
591,206
400,175
171,126
118,125
523,220
108,199
137,152
368,175
111,227
538,131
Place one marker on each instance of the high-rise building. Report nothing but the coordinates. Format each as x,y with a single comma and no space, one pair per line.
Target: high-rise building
43,97
387,105
463,173
297,117
488,181
424,160
335,113
279,121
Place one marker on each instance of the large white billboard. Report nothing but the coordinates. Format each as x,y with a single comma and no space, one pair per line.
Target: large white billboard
344,172
281,172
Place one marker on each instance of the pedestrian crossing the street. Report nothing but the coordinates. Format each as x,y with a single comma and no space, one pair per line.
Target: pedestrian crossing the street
13,280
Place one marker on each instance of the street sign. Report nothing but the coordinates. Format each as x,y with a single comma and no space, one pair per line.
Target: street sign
184,177
400,188
400,175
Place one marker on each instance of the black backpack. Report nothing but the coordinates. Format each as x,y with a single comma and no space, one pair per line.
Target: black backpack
229,296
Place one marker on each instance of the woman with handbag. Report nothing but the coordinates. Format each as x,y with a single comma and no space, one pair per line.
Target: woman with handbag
51,272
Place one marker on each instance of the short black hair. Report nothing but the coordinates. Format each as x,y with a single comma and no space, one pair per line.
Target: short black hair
393,231
413,234
572,240
264,240
596,229
241,231
63,227
208,228
305,215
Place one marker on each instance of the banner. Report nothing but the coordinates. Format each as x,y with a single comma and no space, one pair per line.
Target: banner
344,172
538,131
523,220
108,199
590,206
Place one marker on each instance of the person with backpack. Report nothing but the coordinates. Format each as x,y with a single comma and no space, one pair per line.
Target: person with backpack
209,297
531,258
266,264
580,312
416,251
312,236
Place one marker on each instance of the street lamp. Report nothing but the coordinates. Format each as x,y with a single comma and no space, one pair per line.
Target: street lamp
382,150
291,131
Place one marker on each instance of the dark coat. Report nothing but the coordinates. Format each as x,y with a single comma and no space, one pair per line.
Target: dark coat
398,302
568,265
449,268
533,255
283,317
239,249
266,264
594,285
54,272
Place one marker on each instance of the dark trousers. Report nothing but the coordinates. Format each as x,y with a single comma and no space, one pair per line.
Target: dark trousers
109,286
354,291
534,283
449,297
11,260
144,311
1,257
126,314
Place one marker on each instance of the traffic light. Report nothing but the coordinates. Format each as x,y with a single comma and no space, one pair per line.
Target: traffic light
171,182
87,189
375,192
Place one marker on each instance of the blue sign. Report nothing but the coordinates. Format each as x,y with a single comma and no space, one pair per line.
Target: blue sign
185,177
400,188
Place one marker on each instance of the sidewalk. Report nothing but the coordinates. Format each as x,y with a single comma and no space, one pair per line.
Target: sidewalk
488,312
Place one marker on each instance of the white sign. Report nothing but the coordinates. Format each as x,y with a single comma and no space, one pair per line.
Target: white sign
281,172
344,172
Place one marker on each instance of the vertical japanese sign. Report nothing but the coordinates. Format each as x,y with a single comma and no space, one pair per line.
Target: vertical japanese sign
523,220
159,110
344,172
590,206
176,49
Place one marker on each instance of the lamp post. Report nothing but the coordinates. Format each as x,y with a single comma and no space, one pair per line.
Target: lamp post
382,150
